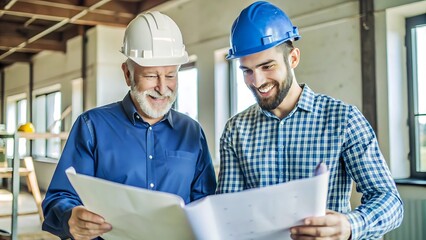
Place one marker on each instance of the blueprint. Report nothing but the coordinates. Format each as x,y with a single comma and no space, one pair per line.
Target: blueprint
261,213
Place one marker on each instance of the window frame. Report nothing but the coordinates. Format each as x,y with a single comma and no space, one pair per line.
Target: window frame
233,89
22,118
411,48
18,118
47,142
234,97
187,66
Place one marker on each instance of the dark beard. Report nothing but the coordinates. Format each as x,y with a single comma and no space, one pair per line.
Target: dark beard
274,101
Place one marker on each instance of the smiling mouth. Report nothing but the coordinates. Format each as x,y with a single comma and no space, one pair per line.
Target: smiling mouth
158,98
265,88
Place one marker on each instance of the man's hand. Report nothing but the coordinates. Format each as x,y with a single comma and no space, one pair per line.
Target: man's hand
86,225
333,225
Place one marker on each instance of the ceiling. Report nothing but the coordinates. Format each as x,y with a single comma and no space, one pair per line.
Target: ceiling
28,27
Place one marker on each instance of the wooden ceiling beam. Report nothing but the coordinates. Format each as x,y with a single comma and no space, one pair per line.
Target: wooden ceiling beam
150,4
24,50
17,57
117,16
40,45
9,29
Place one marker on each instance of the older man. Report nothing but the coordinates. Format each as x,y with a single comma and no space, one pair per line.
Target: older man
139,141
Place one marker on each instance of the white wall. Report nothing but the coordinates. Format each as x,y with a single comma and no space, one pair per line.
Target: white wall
330,52
104,81
111,86
16,79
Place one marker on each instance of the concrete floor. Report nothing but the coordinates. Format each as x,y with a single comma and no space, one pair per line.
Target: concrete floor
29,226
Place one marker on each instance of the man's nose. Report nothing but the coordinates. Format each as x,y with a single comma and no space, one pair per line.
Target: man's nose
161,85
257,78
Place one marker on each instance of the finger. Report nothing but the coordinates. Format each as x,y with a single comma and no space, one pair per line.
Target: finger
328,211
330,219
301,237
82,224
87,233
80,236
89,216
85,224
314,231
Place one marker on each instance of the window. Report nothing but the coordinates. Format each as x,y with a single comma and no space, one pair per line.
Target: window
47,119
16,115
187,100
416,60
21,116
240,97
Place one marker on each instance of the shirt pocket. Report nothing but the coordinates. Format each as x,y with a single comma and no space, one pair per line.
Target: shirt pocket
182,163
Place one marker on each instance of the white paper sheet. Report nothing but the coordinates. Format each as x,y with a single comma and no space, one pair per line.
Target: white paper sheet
261,213
134,213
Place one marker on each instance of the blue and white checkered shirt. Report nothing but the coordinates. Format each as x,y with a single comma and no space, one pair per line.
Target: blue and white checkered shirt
258,149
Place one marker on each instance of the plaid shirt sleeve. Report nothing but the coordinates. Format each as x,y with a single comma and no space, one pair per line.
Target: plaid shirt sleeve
231,178
258,149
381,208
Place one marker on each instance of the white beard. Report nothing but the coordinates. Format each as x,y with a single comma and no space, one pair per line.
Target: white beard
145,105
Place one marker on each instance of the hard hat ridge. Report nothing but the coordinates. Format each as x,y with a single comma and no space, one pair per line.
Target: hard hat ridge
154,39
260,26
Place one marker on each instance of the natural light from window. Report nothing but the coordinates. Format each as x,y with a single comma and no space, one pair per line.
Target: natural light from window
421,96
421,70
244,97
187,100
16,115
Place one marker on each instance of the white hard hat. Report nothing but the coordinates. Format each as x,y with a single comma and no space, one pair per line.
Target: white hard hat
154,39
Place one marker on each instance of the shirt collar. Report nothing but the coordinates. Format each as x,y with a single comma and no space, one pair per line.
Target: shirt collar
132,112
306,102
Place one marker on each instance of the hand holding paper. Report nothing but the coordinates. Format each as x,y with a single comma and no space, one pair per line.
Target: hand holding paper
332,224
134,213
85,224
261,213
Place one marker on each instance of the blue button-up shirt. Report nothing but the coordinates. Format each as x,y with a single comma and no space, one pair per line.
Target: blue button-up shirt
114,143
259,149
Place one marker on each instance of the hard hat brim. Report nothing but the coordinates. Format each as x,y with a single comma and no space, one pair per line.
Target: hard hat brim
166,61
261,48
251,51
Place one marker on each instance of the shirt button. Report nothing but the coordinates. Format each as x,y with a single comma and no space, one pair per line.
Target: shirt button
137,116
150,156
151,185
150,128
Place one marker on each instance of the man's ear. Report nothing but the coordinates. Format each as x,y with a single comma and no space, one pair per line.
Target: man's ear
294,57
126,73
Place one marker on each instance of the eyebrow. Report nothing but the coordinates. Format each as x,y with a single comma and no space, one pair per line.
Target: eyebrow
156,72
258,65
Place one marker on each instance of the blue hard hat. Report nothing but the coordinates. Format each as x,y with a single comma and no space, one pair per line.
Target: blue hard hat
260,26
